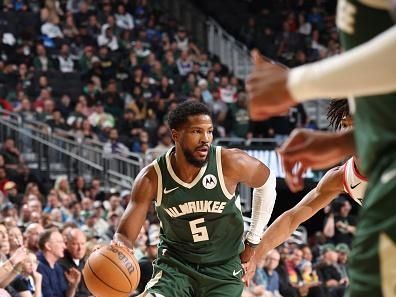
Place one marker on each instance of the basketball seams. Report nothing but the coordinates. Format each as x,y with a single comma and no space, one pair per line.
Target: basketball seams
93,272
105,279
116,265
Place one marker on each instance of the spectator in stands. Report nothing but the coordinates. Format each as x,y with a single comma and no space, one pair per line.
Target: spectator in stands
184,64
266,278
169,65
56,282
53,200
79,187
65,61
51,29
328,273
75,214
52,10
240,121
77,116
24,217
9,268
57,122
41,62
296,285
164,139
140,243
31,236
100,212
26,111
227,92
47,111
340,226
101,119
86,133
15,236
29,282
343,250
96,190
89,227
81,17
62,186
113,219
74,257
114,204
146,262
307,253
13,158
70,30
107,38
124,20
113,146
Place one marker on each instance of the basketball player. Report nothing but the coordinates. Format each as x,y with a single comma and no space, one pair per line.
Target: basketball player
345,178
362,72
193,186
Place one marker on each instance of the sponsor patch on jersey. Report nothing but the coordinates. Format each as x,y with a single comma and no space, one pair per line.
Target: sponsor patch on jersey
209,181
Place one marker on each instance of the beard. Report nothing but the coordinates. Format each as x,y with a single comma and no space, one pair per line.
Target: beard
194,161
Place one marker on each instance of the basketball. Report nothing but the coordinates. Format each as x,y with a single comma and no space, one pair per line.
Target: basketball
111,271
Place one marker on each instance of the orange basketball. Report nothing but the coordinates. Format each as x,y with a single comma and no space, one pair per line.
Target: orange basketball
111,271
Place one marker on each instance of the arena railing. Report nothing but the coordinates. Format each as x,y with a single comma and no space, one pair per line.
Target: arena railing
57,152
231,52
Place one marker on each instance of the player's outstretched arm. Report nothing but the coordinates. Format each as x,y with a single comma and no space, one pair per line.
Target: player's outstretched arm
327,189
281,229
144,192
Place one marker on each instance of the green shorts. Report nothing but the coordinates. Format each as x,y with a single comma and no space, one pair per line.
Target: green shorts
372,266
174,277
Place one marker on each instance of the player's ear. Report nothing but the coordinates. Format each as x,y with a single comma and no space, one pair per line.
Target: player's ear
175,134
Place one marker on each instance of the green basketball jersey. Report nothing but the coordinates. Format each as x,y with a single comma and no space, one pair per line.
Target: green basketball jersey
374,116
200,221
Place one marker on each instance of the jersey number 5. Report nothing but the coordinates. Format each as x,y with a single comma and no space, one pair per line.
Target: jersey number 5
199,233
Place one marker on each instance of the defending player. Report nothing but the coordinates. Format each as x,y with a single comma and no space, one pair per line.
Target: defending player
193,186
364,73
345,178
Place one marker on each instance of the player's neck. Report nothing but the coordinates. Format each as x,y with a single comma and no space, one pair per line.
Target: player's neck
183,169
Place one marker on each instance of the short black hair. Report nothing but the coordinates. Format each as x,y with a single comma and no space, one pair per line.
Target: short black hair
338,109
180,114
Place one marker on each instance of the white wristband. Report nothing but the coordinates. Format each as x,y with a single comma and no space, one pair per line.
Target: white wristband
263,205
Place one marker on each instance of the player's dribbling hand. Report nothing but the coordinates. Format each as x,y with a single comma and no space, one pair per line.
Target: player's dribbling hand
250,270
267,88
247,254
122,241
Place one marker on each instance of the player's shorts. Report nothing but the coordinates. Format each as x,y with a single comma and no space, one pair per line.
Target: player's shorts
174,277
372,267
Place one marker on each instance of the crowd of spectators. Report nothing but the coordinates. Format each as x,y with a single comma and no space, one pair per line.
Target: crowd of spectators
300,270
292,32
46,235
134,64
60,227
